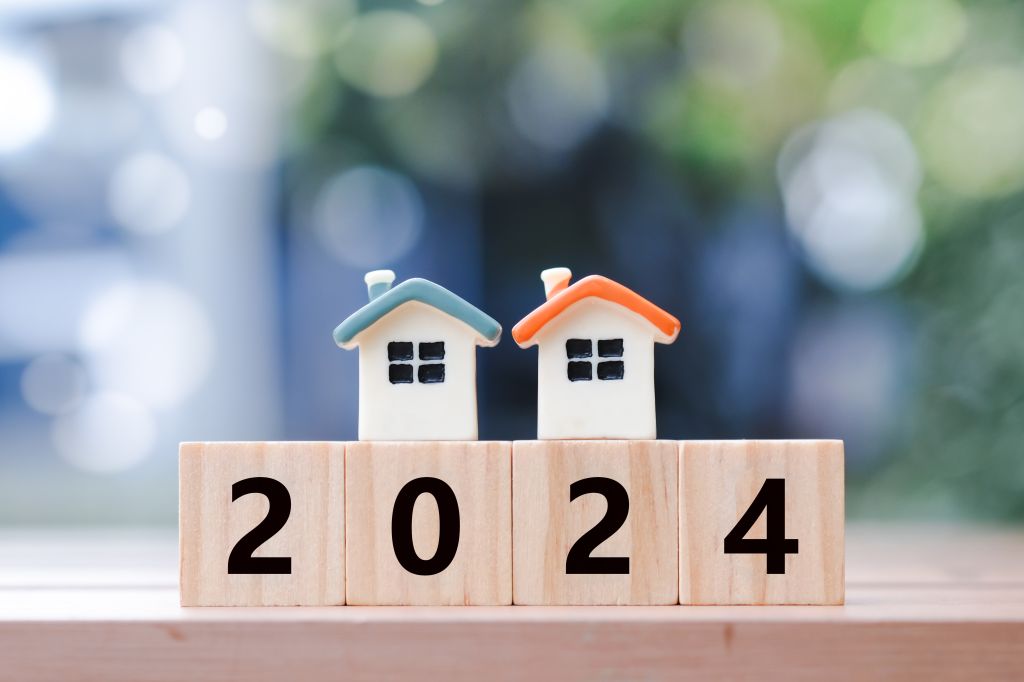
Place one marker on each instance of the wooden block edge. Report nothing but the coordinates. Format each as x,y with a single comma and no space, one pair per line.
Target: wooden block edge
837,449
188,449
194,449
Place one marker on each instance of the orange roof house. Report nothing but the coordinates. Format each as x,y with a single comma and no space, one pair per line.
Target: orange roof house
595,367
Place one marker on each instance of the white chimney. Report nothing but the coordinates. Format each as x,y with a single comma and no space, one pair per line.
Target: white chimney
379,282
555,280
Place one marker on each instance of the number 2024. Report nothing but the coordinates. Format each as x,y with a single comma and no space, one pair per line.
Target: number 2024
770,500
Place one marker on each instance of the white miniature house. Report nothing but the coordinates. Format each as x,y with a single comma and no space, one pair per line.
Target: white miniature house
595,367
417,360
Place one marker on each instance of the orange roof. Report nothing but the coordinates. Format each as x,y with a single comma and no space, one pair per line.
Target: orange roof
600,287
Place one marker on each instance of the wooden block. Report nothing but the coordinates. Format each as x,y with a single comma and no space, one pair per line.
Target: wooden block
719,482
621,528
280,542
429,523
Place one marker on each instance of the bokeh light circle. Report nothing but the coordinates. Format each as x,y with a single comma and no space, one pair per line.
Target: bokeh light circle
148,340
850,186
972,131
914,32
152,59
303,29
27,101
53,384
735,43
109,433
368,216
876,83
149,193
848,377
557,96
387,53
210,123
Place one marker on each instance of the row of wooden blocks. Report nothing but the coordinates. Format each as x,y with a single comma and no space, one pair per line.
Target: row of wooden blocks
525,522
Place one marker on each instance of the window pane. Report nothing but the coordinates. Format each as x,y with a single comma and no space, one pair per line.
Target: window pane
611,370
400,350
432,351
400,374
432,374
581,371
609,348
579,348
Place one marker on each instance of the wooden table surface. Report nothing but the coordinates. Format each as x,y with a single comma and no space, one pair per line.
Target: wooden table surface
923,602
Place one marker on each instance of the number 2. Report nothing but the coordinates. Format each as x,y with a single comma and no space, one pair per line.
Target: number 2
241,559
579,560
771,499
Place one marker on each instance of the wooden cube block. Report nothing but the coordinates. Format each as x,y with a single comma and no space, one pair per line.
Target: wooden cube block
595,522
262,524
429,523
761,522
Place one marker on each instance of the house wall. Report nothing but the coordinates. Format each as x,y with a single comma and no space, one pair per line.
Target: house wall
596,409
444,411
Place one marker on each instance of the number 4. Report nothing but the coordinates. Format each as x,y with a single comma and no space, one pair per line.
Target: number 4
775,545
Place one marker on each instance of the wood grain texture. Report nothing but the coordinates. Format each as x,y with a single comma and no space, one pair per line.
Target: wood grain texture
546,523
480,475
378,644
718,481
102,604
210,523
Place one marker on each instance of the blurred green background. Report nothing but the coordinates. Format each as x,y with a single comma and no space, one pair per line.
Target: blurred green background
827,193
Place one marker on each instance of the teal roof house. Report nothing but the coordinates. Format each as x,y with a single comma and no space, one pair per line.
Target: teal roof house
417,360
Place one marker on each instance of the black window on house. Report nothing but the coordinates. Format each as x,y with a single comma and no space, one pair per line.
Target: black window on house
402,365
432,351
581,367
609,348
399,350
579,348
581,371
432,373
400,373
609,371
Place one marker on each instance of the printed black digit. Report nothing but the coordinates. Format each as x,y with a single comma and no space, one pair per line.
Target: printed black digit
771,499
579,560
241,560
448,533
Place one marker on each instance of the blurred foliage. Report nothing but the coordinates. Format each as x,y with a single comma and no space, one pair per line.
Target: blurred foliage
709,93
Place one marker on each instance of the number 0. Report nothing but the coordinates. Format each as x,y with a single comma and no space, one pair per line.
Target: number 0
448,532
771,499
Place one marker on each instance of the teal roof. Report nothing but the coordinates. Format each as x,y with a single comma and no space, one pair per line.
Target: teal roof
423,291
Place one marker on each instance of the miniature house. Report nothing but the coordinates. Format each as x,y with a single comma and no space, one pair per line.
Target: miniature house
417,360
595,368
